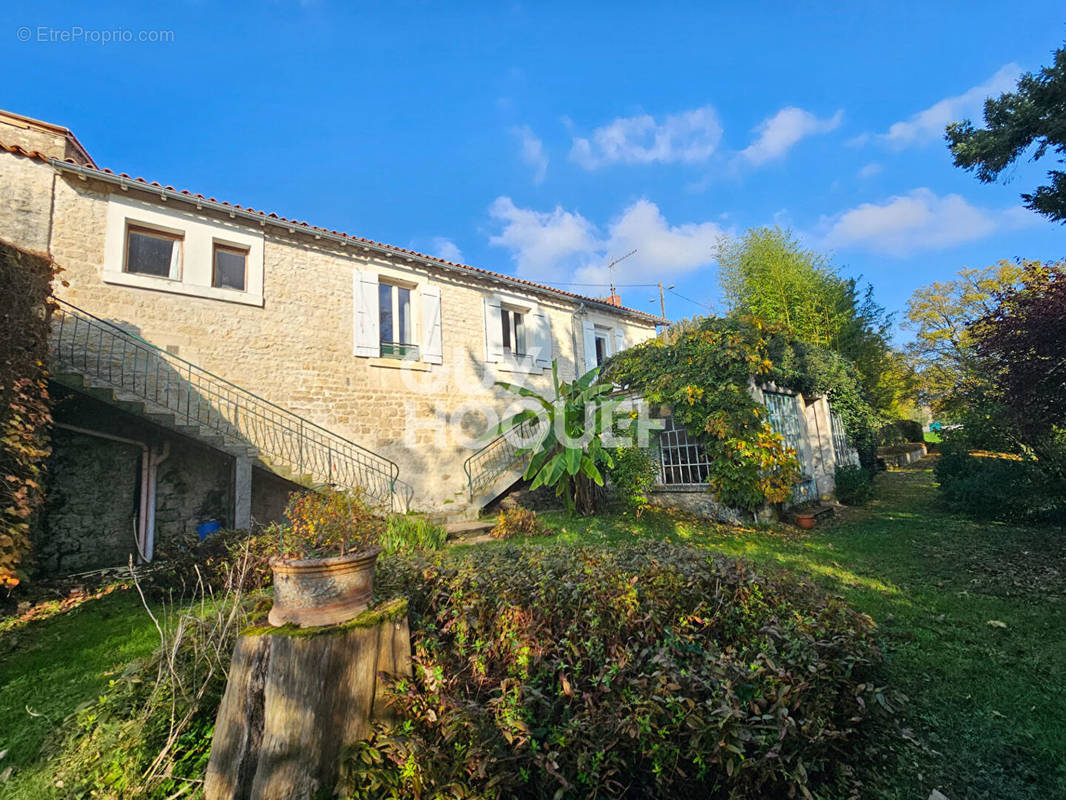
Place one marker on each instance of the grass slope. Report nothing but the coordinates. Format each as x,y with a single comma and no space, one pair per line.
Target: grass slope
48,667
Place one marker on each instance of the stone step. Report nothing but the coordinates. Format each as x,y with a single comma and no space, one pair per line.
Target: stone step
468,529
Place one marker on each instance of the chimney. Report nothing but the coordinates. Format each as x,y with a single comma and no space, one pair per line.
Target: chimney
614,300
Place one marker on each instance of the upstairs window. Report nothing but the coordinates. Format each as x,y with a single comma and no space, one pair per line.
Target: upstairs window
396,323
514,331
230,267
602,345
153,252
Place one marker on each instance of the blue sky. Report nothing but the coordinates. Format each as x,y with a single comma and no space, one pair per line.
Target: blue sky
544,139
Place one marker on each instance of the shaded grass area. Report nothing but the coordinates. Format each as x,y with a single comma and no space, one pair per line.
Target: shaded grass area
49,666
972,619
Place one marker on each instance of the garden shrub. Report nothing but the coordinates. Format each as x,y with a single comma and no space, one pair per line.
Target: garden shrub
25,408
410,533
999,486
900,431
854,485
323,524
181,565
520,522
651,670
632,475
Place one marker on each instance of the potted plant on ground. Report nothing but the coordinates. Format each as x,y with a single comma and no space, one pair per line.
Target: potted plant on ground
324,570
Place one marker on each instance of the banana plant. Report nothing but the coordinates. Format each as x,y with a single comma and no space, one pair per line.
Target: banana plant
569,452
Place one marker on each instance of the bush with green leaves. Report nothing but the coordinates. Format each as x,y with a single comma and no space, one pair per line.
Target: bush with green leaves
633,475
854,485
650,670
569,457
999,486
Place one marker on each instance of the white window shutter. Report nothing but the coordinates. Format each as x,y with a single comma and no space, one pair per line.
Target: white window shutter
367,330
588,334
619,340
543,341
432,346
493,330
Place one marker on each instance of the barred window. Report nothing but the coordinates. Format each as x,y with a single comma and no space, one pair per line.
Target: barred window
682,461
842,451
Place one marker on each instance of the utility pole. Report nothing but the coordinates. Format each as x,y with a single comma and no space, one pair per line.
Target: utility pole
662,301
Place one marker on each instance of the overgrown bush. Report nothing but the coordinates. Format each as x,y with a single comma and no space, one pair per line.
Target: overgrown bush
652,670
183,564
411,533
632,475
999,486
327,523
25,408
519,522
854,485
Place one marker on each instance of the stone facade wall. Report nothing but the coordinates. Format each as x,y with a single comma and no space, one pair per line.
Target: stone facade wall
25,202
89,517
297,349
93,493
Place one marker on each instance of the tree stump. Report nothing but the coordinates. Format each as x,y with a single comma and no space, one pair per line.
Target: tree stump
296,697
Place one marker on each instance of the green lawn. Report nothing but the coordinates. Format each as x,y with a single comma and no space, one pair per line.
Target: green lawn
970,614
48,667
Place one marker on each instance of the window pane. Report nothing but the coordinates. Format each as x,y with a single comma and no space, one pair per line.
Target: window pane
505,317
519,333
385,307
229,269
404,328
601,350
150,255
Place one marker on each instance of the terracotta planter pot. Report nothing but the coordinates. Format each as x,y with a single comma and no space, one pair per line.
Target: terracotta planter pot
322,591
805,521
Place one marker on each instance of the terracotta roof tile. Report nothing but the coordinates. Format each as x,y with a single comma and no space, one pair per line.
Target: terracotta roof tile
307,226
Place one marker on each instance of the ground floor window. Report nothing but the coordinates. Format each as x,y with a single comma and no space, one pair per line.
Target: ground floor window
682,460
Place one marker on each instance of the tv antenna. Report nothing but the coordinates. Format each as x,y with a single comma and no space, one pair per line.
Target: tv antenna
610,267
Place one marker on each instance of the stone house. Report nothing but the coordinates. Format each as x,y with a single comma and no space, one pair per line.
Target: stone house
211,356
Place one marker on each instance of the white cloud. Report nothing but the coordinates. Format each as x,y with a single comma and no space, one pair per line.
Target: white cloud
928,125
532,152
871,169
560,244
689,137
446,249
541,241
778,134
920,220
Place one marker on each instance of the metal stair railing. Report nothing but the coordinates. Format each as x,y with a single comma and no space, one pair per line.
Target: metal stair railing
96,348
498,457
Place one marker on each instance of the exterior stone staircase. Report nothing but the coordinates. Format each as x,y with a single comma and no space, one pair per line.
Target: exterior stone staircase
100,359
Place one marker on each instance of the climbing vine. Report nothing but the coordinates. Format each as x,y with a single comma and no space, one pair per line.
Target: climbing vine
703,370
26,281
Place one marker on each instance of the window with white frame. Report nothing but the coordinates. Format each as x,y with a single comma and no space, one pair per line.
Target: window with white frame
517,334
167,249
396,321
682,459
601,341
395,318
513,330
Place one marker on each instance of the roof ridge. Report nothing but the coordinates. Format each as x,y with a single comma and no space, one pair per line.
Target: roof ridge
35,154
